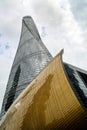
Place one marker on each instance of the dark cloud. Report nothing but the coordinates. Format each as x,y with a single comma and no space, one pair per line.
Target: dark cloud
43,32
0,34
4,47
7,46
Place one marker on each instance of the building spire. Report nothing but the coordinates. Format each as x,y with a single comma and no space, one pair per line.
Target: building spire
29,23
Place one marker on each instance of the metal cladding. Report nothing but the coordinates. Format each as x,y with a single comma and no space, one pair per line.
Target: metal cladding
31,57
48,103
78,80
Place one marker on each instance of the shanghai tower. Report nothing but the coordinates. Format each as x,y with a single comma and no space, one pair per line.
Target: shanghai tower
31,57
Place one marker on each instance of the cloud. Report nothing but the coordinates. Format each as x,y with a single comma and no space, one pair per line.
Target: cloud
43,32
4,47
55,16
56,23
62,29
79,9
0,34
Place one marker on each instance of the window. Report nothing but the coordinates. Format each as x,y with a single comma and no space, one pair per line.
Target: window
83,76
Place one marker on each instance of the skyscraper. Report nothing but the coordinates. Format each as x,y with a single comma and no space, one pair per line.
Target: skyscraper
31,57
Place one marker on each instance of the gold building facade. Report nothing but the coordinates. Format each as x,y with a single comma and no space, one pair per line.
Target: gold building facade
48,103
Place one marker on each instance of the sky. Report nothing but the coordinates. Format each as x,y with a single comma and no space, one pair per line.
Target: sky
61,24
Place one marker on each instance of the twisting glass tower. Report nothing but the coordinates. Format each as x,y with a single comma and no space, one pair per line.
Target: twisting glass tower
30,59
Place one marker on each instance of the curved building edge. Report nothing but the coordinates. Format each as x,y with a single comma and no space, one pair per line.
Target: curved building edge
48,103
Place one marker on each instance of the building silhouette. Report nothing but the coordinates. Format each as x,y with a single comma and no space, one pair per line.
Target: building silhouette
31,57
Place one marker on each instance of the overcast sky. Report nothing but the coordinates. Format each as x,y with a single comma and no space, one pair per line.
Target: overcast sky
61,24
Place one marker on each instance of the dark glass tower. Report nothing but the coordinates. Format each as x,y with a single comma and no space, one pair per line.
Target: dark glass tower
30,59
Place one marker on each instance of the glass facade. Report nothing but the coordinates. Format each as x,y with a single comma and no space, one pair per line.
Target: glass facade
31,57
83,77
77,79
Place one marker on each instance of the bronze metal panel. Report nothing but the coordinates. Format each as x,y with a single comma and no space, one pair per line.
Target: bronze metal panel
48,103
